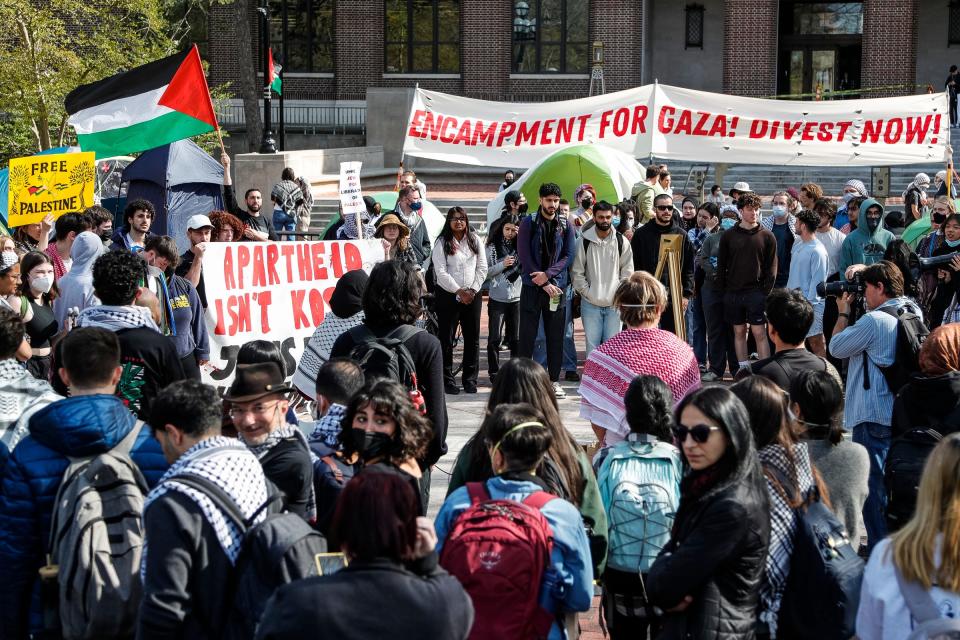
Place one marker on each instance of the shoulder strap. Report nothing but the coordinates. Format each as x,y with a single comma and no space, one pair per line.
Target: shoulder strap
334,469
125,446
362,333
921,605
586,245
619,243
478,492
24,305
218,496
404,332
538,499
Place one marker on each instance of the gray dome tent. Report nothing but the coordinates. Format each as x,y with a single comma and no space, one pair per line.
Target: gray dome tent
181,180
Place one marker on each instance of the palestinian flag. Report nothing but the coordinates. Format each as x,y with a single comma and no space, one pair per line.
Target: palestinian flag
274,81
149,106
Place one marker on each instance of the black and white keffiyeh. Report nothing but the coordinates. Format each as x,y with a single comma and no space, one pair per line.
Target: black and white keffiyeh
116,318
277,436
783,524
234,469
327,428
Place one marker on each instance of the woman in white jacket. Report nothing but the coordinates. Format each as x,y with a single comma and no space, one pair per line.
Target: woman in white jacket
911,586
460,265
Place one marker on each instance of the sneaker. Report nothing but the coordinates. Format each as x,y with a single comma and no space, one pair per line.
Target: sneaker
571,376
709,376
469,388
754,356
558,390
451,389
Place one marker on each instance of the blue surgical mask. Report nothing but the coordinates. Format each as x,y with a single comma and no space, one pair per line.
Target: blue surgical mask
616,222
779,210
416,206
952,243
727,223
847,197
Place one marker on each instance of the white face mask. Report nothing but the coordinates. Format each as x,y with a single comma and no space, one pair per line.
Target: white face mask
43,284
847,197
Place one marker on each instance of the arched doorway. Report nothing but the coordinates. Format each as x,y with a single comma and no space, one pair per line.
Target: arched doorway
819,47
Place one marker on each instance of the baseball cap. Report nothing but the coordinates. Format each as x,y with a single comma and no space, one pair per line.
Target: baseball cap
199,221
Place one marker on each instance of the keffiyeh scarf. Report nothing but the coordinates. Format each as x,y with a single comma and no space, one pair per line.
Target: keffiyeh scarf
116,318
276,437
327,429
229,464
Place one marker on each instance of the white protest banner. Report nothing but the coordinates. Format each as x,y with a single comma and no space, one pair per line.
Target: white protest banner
277,291
682,124
506,134
351,196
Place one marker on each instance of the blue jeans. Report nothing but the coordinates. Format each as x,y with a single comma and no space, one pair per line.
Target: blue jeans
876,438
697,329
569,348
599,324
283,222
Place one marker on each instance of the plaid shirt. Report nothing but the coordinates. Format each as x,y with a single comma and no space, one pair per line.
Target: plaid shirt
697,236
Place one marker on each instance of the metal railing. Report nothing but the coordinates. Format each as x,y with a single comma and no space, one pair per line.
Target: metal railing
308,119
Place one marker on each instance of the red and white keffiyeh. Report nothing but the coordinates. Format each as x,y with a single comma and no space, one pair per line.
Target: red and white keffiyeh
613,365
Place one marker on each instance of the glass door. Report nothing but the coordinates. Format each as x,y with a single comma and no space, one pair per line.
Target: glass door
809,69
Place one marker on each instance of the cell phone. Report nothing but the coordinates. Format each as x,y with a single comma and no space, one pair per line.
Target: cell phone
329,563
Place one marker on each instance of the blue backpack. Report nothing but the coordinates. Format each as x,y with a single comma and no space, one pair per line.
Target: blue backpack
639,483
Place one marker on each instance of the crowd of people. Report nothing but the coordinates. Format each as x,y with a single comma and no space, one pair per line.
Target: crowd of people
136,501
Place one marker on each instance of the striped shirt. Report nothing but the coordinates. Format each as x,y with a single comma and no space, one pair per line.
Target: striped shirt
874,335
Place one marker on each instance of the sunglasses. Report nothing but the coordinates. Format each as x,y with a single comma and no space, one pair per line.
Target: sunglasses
664,207
699,433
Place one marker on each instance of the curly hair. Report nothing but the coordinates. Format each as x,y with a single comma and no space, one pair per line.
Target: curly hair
11,333
223,219
393,293
413,432
117,276
138,205
27,263
749,200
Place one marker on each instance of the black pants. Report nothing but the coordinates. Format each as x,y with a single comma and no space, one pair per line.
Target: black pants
720,349
450,314
626,590
535,303
953,112
830,315
191,368
497,311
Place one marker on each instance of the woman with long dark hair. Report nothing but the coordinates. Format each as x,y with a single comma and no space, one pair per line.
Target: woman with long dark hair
566,467
503,304
37,291
460,265
625,221
707,578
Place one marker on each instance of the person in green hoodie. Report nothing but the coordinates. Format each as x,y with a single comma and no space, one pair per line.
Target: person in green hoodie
866,244
645,191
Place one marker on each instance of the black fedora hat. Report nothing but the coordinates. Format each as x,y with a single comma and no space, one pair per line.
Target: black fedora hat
254,381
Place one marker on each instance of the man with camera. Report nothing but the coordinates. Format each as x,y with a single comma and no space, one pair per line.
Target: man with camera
870,344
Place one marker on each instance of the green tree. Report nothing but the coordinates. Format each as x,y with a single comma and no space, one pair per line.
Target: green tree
49,48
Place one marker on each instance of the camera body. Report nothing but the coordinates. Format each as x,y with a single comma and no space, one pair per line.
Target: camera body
854,286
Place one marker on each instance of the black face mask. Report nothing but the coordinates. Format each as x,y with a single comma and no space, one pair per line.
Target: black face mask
522,208
508,181
370,444
106,235
603,226
939,218
872,223
586,203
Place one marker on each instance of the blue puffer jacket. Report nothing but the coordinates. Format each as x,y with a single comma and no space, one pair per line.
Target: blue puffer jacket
81,426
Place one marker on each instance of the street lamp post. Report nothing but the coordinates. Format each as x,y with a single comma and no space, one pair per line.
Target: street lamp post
267,143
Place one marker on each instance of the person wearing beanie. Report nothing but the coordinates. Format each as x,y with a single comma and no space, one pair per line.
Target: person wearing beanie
851,189
867,243
915,198
346,312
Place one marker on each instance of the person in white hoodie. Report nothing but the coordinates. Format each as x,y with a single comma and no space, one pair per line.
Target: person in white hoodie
76,287
911,586
603,259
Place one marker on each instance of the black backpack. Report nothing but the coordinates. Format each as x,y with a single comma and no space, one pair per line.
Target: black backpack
911,332
823,589
280,549
386,357
906,458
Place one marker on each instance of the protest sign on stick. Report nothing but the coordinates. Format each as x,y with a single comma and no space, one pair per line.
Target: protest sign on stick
50,184
351,196
277,291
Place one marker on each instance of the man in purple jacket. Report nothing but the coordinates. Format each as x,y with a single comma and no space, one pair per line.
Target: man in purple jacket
545,246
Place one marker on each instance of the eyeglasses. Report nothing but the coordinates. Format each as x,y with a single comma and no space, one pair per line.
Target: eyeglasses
664,207
458,219
699,433
258,409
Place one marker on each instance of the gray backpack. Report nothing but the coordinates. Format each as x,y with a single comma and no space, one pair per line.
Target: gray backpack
96,540
930,624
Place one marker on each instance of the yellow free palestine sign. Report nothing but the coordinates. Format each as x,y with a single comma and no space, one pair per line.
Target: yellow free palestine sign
52,184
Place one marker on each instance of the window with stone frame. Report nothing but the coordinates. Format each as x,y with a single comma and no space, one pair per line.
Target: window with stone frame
301,35
694,27
953,24
551,36
421,36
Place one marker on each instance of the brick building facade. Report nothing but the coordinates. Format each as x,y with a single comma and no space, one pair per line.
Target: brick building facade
745,47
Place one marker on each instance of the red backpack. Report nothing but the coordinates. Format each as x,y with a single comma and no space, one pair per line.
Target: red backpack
499,551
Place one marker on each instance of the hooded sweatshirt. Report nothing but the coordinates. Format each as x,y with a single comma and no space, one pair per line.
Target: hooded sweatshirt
643,194
862,246
76,287
598,271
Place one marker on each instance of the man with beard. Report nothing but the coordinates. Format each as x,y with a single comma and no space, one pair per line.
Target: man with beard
410,208
646,253
256,226
138,216
867,243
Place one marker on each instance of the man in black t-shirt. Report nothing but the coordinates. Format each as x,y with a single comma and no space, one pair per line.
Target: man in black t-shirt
789,318
950,85
258,227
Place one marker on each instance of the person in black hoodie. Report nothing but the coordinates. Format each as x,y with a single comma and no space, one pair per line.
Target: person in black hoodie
932,399
707,578
392,586
646,253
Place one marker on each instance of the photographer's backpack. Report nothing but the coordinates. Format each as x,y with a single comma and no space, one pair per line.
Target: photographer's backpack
92,575
278,550
388,357
499,550
911,332
823,588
